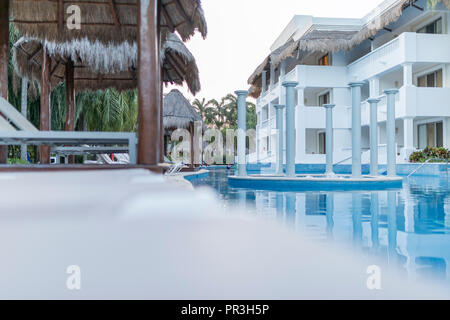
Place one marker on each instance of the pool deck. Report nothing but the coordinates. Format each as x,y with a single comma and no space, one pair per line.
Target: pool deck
315,182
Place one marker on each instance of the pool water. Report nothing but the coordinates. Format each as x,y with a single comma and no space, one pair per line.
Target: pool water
408,228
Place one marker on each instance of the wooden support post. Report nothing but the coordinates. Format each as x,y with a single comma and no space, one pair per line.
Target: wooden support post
45,103
192,132
4,62
70,101
161,120
148,83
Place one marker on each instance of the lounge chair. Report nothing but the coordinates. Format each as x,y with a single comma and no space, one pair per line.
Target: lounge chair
29,134
176,168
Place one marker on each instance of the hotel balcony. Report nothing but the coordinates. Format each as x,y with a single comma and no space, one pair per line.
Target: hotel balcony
413,102
406,48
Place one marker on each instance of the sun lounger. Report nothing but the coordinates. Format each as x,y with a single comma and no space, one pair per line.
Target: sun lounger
28,134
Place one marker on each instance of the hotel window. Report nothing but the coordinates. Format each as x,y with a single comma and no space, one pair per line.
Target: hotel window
325,60
432,28
431,135
322,143
431,80
324,99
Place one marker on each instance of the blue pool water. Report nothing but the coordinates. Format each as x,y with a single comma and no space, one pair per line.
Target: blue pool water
408,228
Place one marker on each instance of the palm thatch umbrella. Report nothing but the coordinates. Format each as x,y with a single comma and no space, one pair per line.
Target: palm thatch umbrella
179,114
102,20
99,66
315,40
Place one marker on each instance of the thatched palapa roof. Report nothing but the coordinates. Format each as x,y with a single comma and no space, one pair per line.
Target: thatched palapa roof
103,20
99,66
315,40
178,112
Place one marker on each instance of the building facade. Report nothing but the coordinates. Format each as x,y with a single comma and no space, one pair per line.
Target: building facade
411,53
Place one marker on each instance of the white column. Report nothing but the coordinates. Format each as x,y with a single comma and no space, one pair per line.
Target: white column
290,127
280,131
300,125
282,70
408,136
329,138
272,75
356,129
24,111
374,87
390,133
242,132
282,98
264,81
374,136
407,74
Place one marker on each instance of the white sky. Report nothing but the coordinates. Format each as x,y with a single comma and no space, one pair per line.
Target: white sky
240,33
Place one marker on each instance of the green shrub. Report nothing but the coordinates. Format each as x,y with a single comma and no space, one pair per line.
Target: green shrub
16,161
430,154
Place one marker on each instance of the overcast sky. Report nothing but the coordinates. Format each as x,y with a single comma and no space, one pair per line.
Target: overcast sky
240,33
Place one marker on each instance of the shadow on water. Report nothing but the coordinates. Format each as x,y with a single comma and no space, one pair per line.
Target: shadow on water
407,228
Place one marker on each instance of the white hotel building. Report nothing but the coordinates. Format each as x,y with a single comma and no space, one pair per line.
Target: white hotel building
401,44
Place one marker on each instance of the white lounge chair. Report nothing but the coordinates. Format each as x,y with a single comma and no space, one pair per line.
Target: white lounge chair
29,134
176,168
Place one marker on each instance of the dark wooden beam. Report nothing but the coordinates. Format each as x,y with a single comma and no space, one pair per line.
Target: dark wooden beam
160,9
60,16
4,62
167,18
45,104
182,12
112,7
70,101
417,7
70,96
148,83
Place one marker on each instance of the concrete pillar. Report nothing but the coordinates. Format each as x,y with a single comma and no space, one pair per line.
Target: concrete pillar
374,136
24,111
356,129
282,69
408,136
300,125
408,74
280,143
390,133
290,127
264,81
272,75
329,137
242,132
374,87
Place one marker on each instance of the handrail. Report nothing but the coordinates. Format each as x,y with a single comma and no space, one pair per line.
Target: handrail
426,162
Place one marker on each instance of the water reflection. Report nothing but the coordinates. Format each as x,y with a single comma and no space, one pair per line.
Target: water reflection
409,228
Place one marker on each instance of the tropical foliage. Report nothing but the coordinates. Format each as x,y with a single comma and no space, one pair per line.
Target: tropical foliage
430,155
222,114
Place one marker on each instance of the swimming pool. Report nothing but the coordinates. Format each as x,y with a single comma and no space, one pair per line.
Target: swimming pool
408,228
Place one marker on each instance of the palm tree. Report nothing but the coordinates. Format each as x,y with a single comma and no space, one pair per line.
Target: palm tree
203,107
